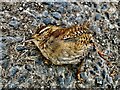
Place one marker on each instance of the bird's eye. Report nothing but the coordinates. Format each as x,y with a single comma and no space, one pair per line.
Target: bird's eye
51,42
37,40
91,41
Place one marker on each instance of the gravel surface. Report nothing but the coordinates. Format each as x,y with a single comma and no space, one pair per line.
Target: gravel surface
22,65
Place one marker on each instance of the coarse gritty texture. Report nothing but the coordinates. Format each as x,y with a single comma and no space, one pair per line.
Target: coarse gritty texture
22,65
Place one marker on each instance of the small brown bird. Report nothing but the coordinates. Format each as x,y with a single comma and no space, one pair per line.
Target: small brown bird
64,45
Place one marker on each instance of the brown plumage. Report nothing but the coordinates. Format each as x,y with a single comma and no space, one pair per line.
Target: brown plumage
63,45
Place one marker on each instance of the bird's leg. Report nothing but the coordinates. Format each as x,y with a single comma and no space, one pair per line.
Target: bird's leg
101,54
79,70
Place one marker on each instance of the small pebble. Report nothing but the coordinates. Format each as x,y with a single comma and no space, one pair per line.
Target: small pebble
56,15
12,86
117,87
61,9
28,67
118,22
99,63
12,39
68,79
71,18
14,24
94,4
22,78
61,80
104,6
84,75
92,72
5,64
78,19
60,70
98,30
107,15
103,74
96,68
34,23
20,48
33,53
0,72
117,77
39,61
47,20
38,18
98,81
65,4
97,17
45,13
18,39
20,8
13,71
76,9
109,79
2,55
2,19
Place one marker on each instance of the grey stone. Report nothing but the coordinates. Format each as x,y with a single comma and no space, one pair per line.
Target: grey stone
118,22
2,19
13,71
61,80
2,48
97,17
22,78
65,4
34,23
96,68
84,75
12,39
107,15
98,30
68,78
104,6
39,61
109,79
45,13
20,48
15,24
78,19
56,15
71,18
103,74
47,20
20,8
2,55
12,86
117,77
98,81
92,72
18,39
5,63
61,10
28,67
99,63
